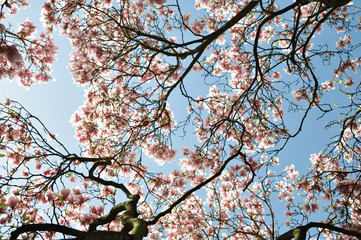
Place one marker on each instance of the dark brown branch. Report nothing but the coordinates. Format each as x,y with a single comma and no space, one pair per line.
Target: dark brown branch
328,3
48,227
135,227
109,217
299,233
125,206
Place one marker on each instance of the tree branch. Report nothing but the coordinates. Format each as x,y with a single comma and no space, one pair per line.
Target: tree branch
49,227
299,233
124,206
329,3
135,227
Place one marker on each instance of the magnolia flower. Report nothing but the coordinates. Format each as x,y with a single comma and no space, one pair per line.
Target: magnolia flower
2,28
12,201
65,193
11,53
158,2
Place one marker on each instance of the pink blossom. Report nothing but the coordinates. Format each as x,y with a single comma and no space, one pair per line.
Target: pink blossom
50,195
2,28
85,219
11,53
276,75
278,113
349,82
26,28
179,182
288,213
107,191
315,207
292,174
157,2
197,67
300,94
65,193
13,201
328,85
307,207
342,43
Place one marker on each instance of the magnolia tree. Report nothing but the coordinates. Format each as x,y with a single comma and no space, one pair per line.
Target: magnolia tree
184,118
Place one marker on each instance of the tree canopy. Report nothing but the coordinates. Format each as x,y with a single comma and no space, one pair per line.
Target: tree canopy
185,117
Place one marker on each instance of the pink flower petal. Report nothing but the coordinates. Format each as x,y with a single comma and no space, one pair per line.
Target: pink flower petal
157,2
13,55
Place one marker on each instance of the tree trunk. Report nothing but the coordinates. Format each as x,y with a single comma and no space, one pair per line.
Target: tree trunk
106,235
